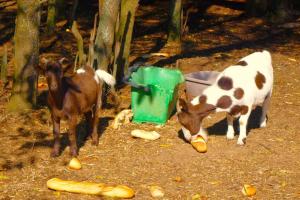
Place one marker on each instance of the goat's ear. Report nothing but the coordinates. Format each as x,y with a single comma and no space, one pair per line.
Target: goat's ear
63,61
65,64
181,105
44,61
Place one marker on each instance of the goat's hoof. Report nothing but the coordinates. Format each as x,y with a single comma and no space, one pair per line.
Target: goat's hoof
54,153
74,153
241,141
95,142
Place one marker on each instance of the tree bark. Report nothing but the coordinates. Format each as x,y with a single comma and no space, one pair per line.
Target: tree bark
51,17
275,10
123,37
26,55
174,32
105,33
4,66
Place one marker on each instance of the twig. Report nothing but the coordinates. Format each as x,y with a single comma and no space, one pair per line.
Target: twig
79,39
91,45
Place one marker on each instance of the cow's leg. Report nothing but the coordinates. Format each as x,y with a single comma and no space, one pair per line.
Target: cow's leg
230,130
265,108
243,121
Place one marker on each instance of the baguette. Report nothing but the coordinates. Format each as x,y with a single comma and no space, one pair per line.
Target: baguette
119,191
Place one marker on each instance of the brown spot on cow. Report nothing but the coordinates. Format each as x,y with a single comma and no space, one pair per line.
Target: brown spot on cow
238,93
202,99
242,63
225,83
260,80
235,110
224,102
244,110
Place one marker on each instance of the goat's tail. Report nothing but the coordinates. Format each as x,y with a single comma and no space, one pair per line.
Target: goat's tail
267,56
106,77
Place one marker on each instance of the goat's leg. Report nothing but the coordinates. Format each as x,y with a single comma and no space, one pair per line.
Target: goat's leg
265,107
94,127
230,130
56,132
243,121
88,117
72,136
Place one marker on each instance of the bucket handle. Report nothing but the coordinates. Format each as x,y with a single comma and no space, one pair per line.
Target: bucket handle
127,78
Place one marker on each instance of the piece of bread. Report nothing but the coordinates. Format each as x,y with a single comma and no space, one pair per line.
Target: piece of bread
74,164
199,144
119,191
147,135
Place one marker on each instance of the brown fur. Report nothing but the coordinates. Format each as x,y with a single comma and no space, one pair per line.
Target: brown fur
244,110
224,102
235,110
238,93
225,83
260,80
69,98
191,115
242,63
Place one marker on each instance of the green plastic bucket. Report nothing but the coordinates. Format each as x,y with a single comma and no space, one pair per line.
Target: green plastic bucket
158,101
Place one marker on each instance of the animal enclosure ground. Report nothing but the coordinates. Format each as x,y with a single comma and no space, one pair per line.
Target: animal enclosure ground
218,35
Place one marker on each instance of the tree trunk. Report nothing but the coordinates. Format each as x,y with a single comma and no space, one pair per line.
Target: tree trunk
174,32
51,17
55,9
109,10
123,38
73,12
26,55
275,10
257,7
4,66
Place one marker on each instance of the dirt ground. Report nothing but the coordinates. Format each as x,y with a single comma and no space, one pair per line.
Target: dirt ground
218,35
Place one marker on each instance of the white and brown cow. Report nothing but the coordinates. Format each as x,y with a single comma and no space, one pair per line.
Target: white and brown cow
237,90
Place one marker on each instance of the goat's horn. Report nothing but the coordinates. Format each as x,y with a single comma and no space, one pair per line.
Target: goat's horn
44,60
61,61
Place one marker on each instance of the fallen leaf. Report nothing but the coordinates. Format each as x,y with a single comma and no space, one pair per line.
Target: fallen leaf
199,197
165,145
248,190
215,182
3,177
292,59
57,193
178,179
283,184
99,177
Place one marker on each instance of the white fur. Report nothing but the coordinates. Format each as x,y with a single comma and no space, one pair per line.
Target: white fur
106,77
244,77
80,71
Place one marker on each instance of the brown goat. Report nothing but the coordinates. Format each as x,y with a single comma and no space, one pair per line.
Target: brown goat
70,97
